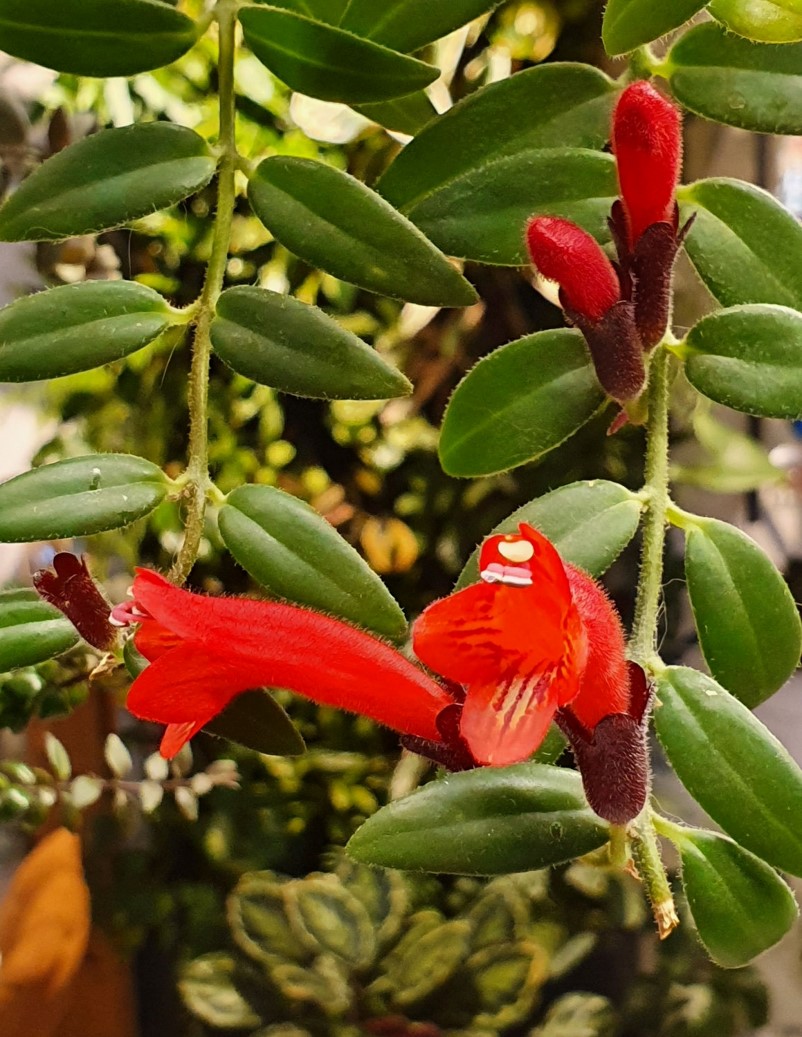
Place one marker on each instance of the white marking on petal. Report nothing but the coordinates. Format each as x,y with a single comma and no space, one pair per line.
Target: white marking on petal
516,550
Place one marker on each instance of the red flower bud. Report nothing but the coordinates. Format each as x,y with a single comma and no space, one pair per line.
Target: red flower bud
565,253
647,143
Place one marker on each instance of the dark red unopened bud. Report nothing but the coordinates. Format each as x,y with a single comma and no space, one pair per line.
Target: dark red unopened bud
70,587
565,253
647,143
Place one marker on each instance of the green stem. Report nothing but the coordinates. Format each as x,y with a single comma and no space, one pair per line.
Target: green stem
619,846
647,606
198,483
646,854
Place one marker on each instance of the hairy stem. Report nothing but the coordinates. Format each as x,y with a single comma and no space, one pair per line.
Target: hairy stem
198,483
646,854
647,606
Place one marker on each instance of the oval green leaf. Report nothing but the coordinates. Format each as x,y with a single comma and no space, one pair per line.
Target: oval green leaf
748,625
765,21
277,340
79,496
590,523
94,37
326,62
106,180
31,631
749,358
518,403
333,221
330,11
563,105
209,988
407,25
258,722
631,23
292,551
739,904
743,242
728,79
77,327
481,216
484,822
404,115
732,765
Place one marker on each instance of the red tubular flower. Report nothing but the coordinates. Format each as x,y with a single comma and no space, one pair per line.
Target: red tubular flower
204,651
539,640
647,144
591,297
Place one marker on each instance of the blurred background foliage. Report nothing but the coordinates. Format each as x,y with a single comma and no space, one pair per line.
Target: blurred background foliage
161,883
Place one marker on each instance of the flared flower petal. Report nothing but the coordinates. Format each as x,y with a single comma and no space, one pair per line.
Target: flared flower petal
204,651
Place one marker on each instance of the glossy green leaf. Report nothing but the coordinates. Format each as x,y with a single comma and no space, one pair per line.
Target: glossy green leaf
748,625
732,765
749,358
292,551
95,37
31,630
326,62
404,114
333,221
728,79
484,822
410,24
105,180
765,21
562,105
79,496
77,327
739,904
743,243
277,340
481,216
518,403
255,720
631,23
330,11
590,523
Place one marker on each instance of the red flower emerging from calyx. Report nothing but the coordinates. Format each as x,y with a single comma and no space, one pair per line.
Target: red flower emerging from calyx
538,640
205,651
623,310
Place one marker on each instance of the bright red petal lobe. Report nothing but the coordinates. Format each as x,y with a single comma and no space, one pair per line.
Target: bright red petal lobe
204,651
176,736
514,640
647,143
565,253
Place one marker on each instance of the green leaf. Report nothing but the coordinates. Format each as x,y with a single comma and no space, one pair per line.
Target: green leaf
749,358
732,765
407,25
326,62
562,105
590,523
335,222
329,919
208,988
277,340
743,243
106,180
424,961
258,722
95,37
740,905
481,216
484,822
258,919
728,79
765,21
330,11
404,115
77,327
78,497
631,23
748,625
292,551
497,418
31,630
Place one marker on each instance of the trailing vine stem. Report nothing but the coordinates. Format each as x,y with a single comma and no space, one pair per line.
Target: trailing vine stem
198,484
